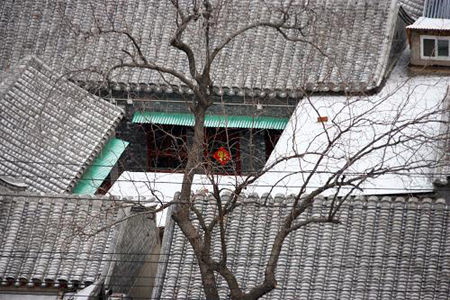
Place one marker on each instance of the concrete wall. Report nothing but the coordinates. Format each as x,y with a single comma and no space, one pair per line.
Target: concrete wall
134,264
415,48
398,43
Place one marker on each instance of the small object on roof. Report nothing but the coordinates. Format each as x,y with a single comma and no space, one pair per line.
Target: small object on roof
322,119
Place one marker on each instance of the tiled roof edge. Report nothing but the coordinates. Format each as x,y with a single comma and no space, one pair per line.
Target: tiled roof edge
218,90
34,196
164,253
13,74
385,201
386,49
116,238
98,148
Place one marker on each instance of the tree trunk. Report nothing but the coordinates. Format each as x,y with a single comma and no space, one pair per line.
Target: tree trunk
181,213
194,153
208,281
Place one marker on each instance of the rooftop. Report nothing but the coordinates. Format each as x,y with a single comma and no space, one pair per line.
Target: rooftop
384,248
414,8
69,241
65,35
430,24
50,129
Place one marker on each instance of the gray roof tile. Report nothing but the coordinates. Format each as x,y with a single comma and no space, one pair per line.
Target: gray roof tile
50,129
42,238
414,8
51,240
384,249
354,35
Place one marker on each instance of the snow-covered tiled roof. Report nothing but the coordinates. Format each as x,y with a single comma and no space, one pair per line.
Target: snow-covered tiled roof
50,129
430,24
403,99
347,43
385,248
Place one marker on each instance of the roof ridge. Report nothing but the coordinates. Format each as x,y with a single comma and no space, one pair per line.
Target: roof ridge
272,68
266,199
39,195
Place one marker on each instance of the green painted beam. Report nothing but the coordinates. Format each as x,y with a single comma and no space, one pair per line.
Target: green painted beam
100,168
233,121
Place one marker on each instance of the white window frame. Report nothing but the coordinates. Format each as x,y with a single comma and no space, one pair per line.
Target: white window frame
436,39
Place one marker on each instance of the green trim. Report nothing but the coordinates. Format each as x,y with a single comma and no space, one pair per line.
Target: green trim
100,168
184,119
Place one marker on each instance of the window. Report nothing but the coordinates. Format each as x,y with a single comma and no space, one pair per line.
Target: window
433,47
166,148
226,151
442,47
428,47
167,151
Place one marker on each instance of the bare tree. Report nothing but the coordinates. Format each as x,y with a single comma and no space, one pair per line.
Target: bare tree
330,154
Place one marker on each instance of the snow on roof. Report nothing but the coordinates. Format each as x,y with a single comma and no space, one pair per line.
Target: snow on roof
431,24
402,97
163,186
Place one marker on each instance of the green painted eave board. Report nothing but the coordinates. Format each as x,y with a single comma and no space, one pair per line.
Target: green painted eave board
100,168
230,121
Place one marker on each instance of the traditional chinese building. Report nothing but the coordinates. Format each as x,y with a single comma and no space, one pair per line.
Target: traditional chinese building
258,78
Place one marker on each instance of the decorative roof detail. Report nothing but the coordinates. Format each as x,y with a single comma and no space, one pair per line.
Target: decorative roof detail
224,121
347,44
50,129
385,248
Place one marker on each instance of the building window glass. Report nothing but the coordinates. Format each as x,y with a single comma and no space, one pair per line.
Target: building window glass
435,48
428,47
442,47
